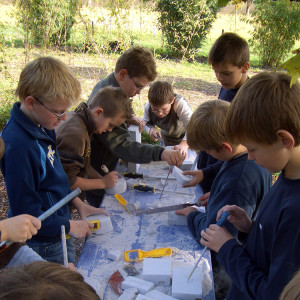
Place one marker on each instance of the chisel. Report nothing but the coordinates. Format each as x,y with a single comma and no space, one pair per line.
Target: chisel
220,223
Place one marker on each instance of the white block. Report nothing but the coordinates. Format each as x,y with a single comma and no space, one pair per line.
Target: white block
133,282
174,219
182,179
132,167
157,270
153,294
105,223
129,294
143,297
189,161
184,289
135,134
114,255
119,188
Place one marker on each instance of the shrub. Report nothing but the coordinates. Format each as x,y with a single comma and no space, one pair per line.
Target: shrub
185,24
276,28
47,21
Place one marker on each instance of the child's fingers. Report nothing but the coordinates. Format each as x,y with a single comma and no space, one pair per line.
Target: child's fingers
35,222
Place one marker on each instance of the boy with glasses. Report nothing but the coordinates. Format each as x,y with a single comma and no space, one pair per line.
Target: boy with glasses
34,177
169,112
134,69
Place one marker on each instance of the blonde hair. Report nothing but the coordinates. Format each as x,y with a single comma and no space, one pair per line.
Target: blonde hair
206,127
42,280
113,101
263,105
48,79
229,48
139,62
160,93
292,289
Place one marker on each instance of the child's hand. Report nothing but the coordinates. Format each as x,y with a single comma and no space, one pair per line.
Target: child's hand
80,229
154,134
110,179
215,237
19,228
238,217
172,157
203,200
197,177
185,211
182,148
85,210
137,121
71,267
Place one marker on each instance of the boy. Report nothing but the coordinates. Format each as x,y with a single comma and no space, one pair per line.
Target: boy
264,117
41,281
110,107
34,177
170,112
229,57
134,69
239,181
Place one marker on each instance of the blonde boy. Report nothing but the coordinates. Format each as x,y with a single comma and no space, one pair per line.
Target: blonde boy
34,177
265,118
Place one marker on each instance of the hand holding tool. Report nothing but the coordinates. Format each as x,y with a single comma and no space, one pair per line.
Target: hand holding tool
138,254
220,223
170,170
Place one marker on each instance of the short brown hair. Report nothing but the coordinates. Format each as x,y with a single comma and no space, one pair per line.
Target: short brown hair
48,79
229,48
113,101
206,127
263,105
139,62
44,281
160,93
292,289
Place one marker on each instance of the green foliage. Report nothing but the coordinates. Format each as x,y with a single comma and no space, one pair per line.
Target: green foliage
47,21
185,24
276,28
293,67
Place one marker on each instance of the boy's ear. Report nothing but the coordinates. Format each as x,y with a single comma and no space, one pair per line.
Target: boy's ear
122,74
286,138
227,147
28,102
245,67
98,111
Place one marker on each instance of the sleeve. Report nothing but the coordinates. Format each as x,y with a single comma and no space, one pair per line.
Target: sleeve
210,172
183,112
71,147
196,222
23,174
119,143
284,262
146,118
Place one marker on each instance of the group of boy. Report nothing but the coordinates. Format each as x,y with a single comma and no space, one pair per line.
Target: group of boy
259,241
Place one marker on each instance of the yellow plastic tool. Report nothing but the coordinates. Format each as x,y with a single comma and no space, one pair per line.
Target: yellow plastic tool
138,254
122,201
96,224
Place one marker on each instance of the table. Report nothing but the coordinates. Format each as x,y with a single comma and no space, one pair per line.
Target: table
144,232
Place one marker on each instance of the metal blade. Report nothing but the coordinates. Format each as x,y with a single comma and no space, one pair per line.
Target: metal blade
162,209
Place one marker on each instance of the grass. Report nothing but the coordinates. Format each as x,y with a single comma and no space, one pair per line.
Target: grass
194,80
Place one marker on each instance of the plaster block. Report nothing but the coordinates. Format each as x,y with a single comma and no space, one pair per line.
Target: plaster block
188,163
114,255
142,297
105,223
129,294
157,270
153,294
174,219
135,135
133,282
132,167
184,289
119,188
182,179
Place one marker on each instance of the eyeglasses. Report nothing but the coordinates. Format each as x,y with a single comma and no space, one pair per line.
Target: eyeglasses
138,86
54,113
163,110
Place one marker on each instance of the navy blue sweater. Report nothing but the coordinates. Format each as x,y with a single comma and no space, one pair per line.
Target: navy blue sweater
34,177
208,164
240,182
271,254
